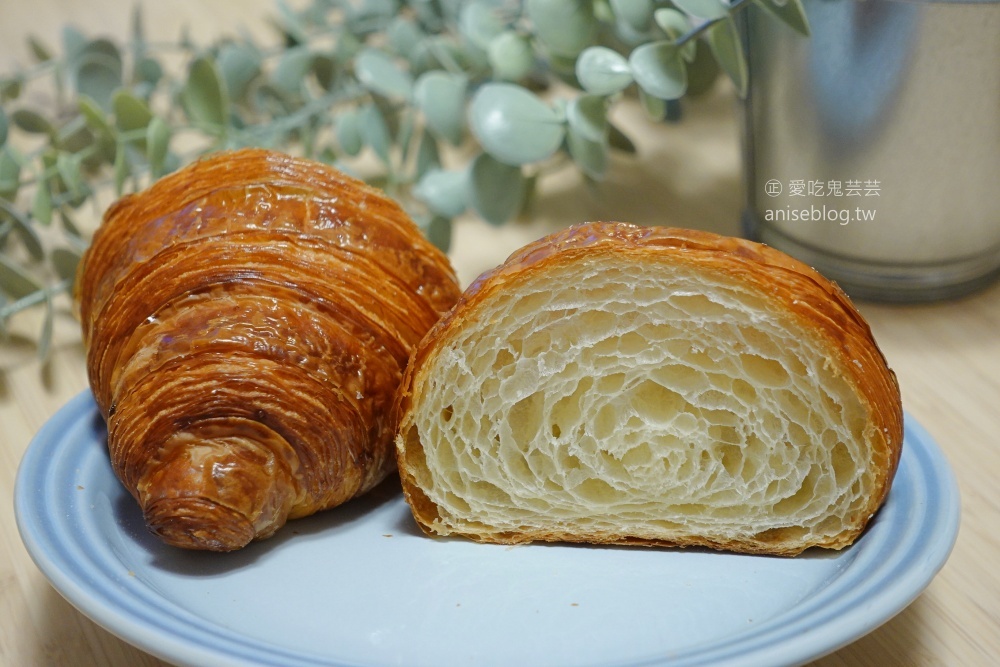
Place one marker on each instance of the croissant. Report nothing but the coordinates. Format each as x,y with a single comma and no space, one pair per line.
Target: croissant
247,321
618,384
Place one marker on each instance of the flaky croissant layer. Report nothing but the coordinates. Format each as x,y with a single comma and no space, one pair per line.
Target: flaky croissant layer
247,321
618,384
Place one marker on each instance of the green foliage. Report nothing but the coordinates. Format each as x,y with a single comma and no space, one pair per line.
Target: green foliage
396,80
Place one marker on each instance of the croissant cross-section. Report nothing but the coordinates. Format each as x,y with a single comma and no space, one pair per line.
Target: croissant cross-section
248,319
617,384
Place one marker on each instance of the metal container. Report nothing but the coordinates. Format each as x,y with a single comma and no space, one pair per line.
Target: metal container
873,147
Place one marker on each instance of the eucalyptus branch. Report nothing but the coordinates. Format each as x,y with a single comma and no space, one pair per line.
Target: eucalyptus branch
399,80
35,298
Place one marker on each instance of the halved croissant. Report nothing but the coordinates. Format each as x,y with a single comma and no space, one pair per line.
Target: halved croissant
617,384
247,321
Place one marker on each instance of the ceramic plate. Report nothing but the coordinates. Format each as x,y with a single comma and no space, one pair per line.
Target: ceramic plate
360,585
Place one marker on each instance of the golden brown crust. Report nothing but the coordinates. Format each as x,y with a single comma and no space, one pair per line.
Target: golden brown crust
253,313
814,302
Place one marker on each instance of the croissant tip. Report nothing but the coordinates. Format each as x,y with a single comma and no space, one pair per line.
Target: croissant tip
198,523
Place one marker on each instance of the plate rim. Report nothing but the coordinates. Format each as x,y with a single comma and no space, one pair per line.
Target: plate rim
794,649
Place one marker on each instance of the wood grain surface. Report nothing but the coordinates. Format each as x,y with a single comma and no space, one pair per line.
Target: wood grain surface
947,355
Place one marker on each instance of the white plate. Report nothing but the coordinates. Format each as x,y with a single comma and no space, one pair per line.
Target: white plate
360,585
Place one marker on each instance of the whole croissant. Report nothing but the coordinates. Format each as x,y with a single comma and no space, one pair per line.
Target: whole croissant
248,319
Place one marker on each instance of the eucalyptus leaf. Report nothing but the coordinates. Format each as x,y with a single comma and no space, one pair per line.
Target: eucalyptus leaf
347,127
10,89
587,116
438,232
204,98
73,233
41,52
15,282
703,70
565,27
659,70
446,193
428,14
290,74
32,122
122,168
675,25
603,71
471,58
29,236
347,46
327,155
703,9
428,157
724,40
93,116
10,173
73,42
324,68
65,262
74,137
69,171
239,64
603,12
638,14
41,204
589,155
497,190
620,141
148,70
379,72
369,16
790,12
45,334
672,22
479,23
514,125
510,56
96,71
404,134
404,35
440,52
291,24
440,96
655,108
3,127
630,38
157,146
98,124
132,116
375,131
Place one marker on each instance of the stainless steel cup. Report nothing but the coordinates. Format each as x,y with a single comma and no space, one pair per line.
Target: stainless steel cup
873,147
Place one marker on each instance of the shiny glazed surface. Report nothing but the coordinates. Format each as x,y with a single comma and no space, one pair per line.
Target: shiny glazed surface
247,321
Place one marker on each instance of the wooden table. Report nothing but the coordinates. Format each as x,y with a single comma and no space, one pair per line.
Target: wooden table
947,357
